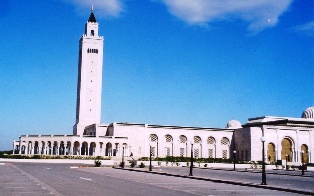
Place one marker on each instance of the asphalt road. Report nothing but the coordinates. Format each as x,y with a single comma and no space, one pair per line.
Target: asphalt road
61,179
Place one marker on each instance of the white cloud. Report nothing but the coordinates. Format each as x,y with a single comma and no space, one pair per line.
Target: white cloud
108,8
259,14
307,28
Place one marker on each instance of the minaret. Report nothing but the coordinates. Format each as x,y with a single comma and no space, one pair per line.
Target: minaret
89,84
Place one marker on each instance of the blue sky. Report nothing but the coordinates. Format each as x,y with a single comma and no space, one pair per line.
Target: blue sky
173,62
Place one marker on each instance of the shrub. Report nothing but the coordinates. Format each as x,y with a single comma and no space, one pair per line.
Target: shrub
37,157
254,165
132,164
122,164
142,165
143,159
97,162
205,165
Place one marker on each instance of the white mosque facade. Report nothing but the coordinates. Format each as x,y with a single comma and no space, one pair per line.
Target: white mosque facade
286,139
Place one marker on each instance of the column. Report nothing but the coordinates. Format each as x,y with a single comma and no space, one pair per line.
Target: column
87,149
39,151
97,149
70,152
32,148
20,147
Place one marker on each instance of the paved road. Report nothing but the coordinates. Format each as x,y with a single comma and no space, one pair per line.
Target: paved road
61,179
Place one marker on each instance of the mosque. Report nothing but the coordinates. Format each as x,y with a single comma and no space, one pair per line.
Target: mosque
285,138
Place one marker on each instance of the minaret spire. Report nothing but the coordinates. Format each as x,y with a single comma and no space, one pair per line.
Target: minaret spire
92,16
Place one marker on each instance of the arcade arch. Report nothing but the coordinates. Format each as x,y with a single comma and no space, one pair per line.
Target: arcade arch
286,149
305,157
271,155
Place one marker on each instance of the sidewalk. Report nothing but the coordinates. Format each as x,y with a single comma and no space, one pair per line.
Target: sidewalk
205,177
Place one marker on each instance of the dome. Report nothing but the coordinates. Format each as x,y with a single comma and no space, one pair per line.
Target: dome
308,113
234,124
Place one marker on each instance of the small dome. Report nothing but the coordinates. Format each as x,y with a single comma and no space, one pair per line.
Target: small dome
308,113
233,124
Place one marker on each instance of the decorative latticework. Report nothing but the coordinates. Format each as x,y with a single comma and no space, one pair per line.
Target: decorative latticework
210,153
224,154
197,139
168,152
196,153
182,139
211,140
182,152
169,138
224,141
153,138
152,151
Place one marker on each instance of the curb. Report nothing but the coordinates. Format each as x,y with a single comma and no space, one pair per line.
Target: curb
224,181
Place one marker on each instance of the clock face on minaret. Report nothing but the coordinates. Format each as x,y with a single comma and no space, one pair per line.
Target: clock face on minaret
89,85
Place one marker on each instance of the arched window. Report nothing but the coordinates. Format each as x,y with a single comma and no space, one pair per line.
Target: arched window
225,141
225,147
197,146
211,140
197,140
153,138
168,138
182,139
92,33
183,148
211,147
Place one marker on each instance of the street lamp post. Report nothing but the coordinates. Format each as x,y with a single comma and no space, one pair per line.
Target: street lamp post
191,166
122,164
263,139
234,158
150,157
302,152
286,161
